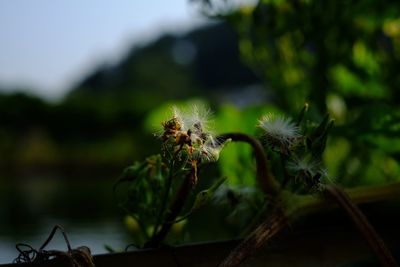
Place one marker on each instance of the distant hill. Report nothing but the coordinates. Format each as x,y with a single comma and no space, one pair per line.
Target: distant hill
100,121
199,62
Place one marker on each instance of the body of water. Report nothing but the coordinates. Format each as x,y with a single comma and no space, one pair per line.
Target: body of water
93,235
31,205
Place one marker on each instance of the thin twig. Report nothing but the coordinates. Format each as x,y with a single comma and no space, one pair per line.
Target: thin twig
50,237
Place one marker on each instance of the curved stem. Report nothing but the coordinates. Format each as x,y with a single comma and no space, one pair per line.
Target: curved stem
264,176
297,206
286,177
362,223
50,237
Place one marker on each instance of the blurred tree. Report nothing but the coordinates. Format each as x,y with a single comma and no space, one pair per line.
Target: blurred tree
310,49
343,57
100,120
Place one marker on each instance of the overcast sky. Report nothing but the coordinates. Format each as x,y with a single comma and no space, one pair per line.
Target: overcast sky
48,45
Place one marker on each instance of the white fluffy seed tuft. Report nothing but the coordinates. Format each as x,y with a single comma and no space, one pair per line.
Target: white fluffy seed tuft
279,131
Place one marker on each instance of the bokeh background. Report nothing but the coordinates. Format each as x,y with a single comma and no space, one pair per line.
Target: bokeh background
84,87
78,82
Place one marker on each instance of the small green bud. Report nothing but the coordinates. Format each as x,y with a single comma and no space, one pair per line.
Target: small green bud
302,113
319,144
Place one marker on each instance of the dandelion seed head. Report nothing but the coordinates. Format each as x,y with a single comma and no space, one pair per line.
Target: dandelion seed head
199,119
178,116
211,149
308,171
303,164
278,130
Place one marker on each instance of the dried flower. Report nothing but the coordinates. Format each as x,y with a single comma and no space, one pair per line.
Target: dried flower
307,171
209,151
189,131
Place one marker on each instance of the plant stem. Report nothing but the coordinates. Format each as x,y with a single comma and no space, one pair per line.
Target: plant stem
165,198
264,176
309,204
362,223
297,206
270,227
175,209
286,177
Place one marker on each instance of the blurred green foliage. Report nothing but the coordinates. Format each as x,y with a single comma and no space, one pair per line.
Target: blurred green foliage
340,56
37,133
100,122
343,58
310,49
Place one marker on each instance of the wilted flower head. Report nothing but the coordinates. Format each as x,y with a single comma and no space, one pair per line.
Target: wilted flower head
278,131
189,131
210,149
307,171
